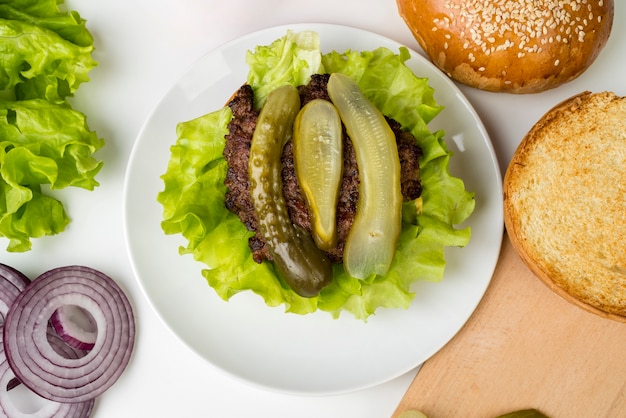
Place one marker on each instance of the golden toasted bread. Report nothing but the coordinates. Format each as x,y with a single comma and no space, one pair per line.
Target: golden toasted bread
565,201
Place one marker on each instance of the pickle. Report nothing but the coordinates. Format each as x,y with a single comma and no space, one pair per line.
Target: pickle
525,413
303,266
318,159
371,243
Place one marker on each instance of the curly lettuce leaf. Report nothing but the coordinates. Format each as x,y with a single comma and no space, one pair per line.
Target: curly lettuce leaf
40,57
291,59
36,7
193,194
69,26
41,143
46,56
43,215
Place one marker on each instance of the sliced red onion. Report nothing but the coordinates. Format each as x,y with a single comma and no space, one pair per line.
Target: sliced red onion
17,278
48,409
12,282
75,326
60,346
38,365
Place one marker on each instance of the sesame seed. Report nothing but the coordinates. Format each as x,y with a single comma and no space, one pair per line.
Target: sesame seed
488,26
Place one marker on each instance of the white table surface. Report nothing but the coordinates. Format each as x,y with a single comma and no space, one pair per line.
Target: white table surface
142,48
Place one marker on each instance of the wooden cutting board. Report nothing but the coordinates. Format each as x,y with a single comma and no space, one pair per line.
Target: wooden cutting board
525,347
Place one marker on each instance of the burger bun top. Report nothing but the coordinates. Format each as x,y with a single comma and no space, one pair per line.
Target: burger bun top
510,46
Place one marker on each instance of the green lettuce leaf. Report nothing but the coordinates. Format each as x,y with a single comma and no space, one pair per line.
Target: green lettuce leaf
41,143
291,59
193,194
32,66
42,215
46,56
69,26
41,8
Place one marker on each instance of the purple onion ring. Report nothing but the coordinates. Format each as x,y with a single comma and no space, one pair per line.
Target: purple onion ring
38,365
75,327
12,282
50,409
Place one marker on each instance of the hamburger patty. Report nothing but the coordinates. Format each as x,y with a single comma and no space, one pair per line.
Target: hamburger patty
237,152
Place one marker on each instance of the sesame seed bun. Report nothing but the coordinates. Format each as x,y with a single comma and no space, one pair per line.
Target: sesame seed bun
565,201
515,46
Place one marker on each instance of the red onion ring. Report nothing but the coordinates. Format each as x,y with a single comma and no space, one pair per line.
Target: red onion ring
38,365
76,327
12,282
50,409
17,278
60,346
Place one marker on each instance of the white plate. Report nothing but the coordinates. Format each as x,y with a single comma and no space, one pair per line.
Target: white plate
311,354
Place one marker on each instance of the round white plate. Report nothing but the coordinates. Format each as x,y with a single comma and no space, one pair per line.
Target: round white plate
312,354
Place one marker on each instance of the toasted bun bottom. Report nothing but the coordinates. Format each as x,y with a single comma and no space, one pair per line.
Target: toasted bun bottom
565,201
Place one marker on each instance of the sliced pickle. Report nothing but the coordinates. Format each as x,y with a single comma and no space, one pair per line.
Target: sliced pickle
318,159
371,243
304,267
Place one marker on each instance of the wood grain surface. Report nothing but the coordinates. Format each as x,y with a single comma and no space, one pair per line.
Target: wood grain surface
525,347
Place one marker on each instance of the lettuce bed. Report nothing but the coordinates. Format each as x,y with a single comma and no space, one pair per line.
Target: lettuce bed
193,194
43,141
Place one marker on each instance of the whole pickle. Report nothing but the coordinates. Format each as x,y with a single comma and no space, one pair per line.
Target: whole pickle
304,267
524,413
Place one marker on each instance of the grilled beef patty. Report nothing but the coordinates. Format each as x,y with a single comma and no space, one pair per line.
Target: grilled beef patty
237,152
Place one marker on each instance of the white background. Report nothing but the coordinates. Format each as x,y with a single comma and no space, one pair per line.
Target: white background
142,48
